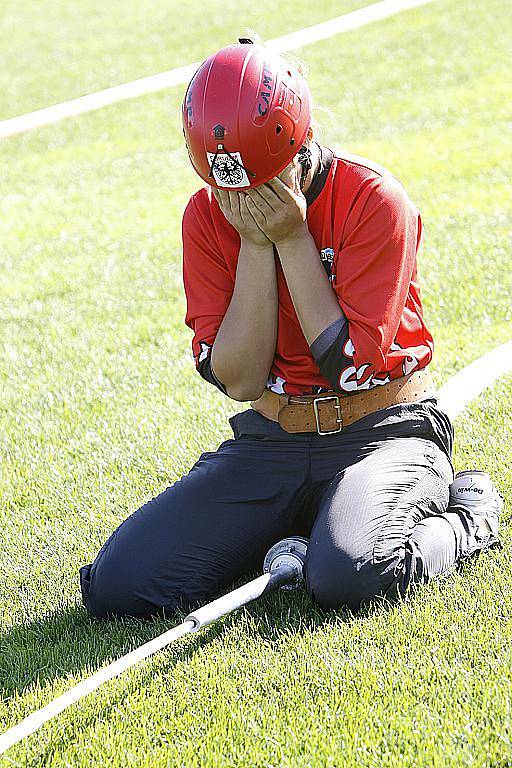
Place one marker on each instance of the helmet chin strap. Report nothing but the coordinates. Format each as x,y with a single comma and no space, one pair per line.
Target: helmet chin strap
306,163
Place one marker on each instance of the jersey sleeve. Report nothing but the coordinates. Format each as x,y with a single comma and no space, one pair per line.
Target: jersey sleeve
208,287
374,268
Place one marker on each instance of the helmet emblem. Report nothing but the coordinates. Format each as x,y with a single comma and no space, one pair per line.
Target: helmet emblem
228,169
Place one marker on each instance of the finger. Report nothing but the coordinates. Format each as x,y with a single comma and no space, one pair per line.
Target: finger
283,192
245,214
264,198
292,183
258,201
222,199
234,202
289,176
254,212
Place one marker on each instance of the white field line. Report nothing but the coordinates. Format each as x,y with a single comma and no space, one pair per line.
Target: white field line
181,75
468,383
454,396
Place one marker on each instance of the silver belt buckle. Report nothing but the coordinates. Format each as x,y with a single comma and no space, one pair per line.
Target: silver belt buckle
317,415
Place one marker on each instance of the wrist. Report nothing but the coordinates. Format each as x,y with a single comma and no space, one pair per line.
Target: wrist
254,247
294,240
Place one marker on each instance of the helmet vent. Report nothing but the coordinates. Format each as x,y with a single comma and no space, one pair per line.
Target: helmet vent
279,128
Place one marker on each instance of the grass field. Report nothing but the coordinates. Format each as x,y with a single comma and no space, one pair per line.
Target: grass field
101,407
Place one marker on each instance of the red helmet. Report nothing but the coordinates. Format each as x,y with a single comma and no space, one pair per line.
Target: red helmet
246,114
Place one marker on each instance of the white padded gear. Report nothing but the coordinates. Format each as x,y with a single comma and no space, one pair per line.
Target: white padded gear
473,491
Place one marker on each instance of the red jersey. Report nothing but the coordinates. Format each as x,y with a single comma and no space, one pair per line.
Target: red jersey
367,232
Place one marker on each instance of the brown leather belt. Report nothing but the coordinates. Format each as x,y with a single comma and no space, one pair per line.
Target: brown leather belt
328,412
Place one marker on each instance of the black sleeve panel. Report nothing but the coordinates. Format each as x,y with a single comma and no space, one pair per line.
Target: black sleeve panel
327,350
206,371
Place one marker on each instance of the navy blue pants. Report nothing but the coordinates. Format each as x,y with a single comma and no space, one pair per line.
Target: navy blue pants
373,500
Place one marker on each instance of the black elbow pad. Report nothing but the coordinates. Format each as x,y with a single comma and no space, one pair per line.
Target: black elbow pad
206,371
327,350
